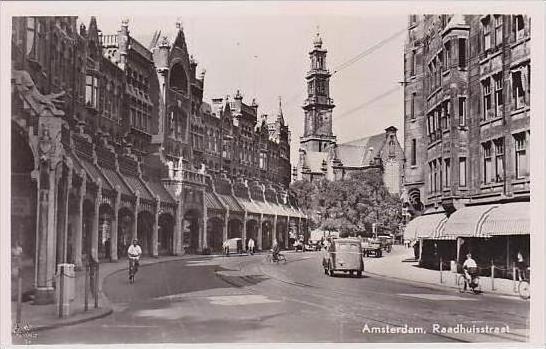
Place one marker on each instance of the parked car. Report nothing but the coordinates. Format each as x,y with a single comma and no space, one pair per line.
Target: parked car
386,242
371,246
234,245
344,255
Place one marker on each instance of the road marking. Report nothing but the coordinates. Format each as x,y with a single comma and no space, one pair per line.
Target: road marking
437,297
241,300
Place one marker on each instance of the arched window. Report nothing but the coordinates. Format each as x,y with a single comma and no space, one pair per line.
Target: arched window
178,79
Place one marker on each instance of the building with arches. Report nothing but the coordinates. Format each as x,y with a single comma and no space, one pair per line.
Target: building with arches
111,141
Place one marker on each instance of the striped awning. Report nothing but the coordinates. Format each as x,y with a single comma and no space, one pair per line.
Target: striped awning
160,190
249,206
136,184
94,172
508,219
426,226
230,202
467,221
116,181
212,202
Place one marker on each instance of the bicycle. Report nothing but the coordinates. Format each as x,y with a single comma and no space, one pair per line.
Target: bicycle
280,258
523,286
473,285
132,269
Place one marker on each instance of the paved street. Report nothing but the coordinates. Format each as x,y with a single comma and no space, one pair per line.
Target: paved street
243,299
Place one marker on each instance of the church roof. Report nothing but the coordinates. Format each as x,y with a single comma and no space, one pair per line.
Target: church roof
360,152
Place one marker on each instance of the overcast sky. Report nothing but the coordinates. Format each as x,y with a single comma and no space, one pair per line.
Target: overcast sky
263,52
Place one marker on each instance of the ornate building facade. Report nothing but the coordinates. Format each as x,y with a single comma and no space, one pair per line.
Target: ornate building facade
467,130
320,156
111,141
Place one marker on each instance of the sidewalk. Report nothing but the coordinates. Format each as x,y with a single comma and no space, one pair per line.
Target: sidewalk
42,317
400,264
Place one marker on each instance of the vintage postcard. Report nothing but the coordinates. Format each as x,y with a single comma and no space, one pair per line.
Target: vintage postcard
310,172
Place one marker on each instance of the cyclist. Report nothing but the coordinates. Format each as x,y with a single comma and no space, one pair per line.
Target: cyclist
470,269
275,250
521,267
134,252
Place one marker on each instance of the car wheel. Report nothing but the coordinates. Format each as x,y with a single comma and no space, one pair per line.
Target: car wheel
359,273
330,270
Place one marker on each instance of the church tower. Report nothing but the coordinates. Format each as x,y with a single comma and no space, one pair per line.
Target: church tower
318,105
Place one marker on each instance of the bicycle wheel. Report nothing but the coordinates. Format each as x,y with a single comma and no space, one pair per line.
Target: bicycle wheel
523,289
477,286
461,282
281,259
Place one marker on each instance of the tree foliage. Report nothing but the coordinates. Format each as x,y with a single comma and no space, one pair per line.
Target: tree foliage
351,205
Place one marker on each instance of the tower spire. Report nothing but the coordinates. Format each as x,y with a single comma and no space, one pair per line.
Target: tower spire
280,116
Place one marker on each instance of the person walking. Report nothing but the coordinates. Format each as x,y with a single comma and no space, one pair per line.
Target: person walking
251,246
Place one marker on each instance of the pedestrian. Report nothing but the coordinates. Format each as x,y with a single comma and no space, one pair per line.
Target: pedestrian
251,246
521,266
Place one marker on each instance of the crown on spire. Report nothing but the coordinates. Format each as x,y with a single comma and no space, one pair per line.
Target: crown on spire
317,42
125,22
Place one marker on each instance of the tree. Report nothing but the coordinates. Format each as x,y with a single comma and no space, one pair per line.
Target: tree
350,205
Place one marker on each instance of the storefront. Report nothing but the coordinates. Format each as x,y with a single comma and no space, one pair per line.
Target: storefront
419,230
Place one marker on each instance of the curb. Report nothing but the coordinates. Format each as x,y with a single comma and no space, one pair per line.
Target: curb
106,312
435,285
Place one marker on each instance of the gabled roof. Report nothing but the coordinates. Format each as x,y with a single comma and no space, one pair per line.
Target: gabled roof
360,152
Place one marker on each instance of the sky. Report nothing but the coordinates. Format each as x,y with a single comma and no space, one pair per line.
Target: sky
263,52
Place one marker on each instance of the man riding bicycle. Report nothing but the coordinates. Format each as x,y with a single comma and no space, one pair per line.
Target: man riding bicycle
134,252
470,269
275,250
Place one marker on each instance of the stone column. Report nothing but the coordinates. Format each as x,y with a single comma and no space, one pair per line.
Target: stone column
45,244
114,230
134,230
226,221
260,232
77,245
287,233
205,221
95,226
274,235
155,230
64,213
177,233
243,234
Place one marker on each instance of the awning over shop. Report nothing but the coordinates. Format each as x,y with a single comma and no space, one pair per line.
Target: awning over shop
426,226
160,190
230,202
116,181
136,184
212,202
249,206
94,173
467,221
507,219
